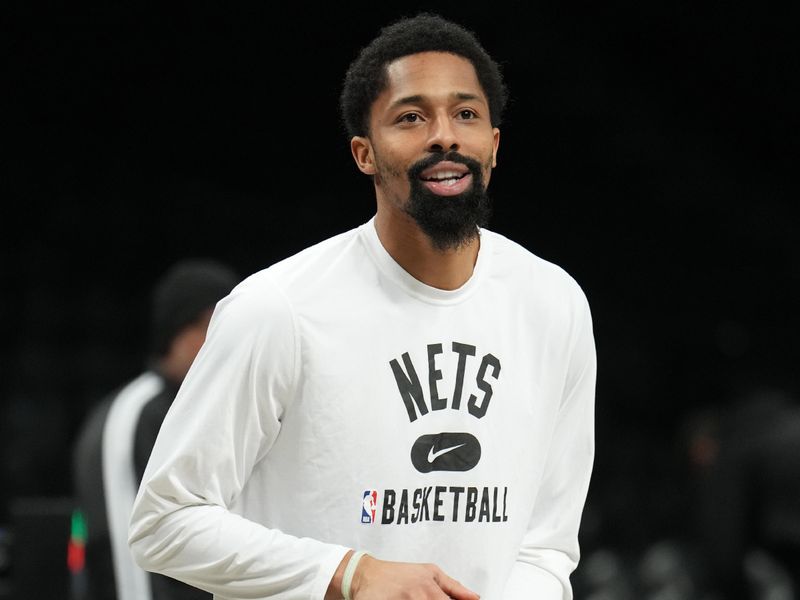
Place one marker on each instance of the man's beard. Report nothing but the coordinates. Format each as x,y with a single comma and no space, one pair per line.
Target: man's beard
450,222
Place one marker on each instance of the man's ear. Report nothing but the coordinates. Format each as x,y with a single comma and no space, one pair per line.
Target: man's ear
496,135
363,155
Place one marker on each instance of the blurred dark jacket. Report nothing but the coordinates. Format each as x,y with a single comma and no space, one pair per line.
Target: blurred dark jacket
749,495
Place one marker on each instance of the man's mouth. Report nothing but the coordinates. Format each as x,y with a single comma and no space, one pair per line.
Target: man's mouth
447,178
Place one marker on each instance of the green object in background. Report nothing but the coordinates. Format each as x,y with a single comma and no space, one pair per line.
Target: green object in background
78,531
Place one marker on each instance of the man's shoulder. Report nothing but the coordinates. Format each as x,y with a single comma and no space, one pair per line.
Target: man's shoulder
522,266
277,287
308,265
317,255
96,416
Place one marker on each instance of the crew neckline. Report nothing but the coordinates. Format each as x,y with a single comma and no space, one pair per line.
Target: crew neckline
413,286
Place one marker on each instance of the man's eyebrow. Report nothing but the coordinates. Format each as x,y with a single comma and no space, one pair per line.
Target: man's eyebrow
420,99
416,99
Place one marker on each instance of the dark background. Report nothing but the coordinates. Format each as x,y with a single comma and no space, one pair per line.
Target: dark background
649,149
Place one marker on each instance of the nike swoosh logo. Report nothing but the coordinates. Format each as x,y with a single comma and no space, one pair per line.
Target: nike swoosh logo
432,456
457,451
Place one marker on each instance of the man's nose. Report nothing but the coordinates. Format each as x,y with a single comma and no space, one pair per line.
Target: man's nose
443,136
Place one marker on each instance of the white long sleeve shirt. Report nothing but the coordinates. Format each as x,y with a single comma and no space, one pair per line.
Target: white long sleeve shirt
340,403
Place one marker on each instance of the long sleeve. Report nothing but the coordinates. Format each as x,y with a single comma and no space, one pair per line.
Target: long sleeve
549,551
223,422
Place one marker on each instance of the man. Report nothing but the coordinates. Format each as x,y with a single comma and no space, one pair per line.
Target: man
419,388
113,448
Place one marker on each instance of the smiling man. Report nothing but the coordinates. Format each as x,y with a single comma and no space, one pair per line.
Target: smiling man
404,410
434,101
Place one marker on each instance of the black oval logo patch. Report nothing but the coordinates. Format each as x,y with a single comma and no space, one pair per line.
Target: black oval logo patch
445,452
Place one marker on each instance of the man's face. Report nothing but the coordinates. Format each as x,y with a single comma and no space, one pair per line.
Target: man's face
431,146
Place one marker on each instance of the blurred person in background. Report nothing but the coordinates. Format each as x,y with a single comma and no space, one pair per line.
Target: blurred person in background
746,464
116,438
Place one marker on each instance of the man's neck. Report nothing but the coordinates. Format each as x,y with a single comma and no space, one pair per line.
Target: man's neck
413,250
170,369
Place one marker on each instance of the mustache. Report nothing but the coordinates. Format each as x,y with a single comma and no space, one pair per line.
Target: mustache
418,167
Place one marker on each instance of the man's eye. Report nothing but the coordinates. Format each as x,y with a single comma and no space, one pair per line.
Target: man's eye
410,118
466,114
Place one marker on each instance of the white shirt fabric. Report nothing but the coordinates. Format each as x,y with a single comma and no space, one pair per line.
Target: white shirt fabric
340,403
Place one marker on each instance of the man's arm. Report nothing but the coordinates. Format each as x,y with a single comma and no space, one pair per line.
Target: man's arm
550,551
223,421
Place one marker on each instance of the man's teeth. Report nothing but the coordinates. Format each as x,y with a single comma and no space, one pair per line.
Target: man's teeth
445,175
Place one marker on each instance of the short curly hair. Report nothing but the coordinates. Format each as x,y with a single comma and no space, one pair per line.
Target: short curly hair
366,77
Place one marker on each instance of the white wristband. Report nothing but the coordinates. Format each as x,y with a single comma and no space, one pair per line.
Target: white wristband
349,570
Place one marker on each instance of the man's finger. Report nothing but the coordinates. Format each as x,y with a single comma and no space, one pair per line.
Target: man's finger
454,589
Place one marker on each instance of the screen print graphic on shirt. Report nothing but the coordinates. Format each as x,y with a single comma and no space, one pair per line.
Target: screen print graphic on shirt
446,451
413,393
468,504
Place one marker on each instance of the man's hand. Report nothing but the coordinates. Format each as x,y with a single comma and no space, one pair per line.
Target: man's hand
385,580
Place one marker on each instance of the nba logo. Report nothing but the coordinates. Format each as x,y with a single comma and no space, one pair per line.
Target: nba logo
368,504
